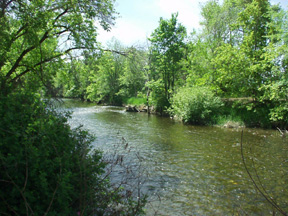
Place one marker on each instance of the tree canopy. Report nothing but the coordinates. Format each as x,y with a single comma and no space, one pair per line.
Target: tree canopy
35,33
167,50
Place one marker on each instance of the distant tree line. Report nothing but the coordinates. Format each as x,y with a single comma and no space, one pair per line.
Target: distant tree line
240,52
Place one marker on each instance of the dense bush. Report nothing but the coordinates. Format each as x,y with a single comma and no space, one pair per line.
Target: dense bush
195,105
47,168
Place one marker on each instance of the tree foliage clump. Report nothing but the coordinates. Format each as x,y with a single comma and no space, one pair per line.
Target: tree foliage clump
46,167
105,83
35,33
241,53
167,50
195,105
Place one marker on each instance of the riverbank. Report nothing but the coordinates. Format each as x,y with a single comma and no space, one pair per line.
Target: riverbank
223,121
233,114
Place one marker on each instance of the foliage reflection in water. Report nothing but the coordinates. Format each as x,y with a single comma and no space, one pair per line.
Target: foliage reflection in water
193,170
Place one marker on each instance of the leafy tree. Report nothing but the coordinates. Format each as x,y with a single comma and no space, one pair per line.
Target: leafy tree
218,21
134,75
109,77
217,30
157,97
72,79
167,50
254,20
35,33
104,83
198,63
231,71
275,87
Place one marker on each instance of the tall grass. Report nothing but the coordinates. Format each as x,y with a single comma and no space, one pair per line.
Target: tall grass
238,114
229,121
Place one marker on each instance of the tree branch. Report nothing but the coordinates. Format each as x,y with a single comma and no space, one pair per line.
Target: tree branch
58,183
27,206
18,32
118,52
45,61
8,206
4,6
25,52
60,15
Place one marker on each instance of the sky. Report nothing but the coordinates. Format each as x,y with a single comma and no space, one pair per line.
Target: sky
138,18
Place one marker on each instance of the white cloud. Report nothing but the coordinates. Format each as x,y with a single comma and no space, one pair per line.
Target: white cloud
139,18
126,31
189,11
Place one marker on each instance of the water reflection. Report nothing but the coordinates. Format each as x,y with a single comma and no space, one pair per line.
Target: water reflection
195,170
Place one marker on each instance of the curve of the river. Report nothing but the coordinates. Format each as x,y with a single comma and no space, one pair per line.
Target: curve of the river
192,170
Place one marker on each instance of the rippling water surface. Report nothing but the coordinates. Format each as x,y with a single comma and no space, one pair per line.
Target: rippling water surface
193,170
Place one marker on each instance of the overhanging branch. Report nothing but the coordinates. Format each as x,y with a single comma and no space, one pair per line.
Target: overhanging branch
28,50
45,61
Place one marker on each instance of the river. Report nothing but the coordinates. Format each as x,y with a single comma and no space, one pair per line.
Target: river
191,170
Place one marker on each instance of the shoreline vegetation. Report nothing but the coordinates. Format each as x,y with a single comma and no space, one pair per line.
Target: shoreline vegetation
231,114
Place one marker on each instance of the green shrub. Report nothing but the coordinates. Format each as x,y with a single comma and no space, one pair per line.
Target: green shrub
47,168
197,105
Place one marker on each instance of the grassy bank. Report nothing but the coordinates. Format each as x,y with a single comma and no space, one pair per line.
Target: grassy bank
230,113
244,113
135,101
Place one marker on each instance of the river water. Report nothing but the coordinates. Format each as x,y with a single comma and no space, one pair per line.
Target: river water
191,170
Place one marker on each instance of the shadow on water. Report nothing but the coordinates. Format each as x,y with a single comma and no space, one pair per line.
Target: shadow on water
194,170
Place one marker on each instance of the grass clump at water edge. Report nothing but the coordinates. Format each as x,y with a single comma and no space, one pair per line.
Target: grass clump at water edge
135,101
229,121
